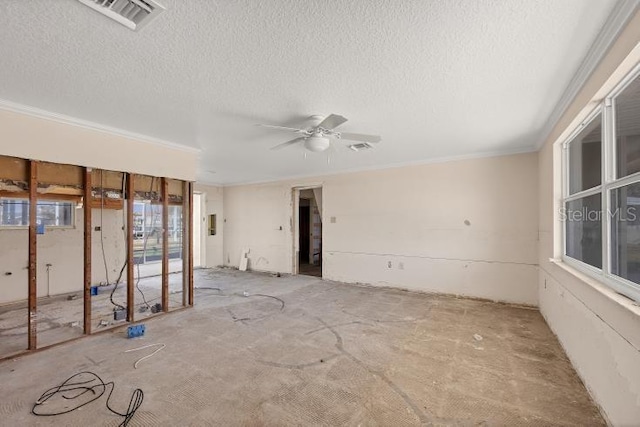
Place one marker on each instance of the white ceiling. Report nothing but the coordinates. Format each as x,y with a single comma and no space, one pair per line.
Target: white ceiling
437,79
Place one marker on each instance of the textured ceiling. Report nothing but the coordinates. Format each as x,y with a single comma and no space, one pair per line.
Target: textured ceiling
437,79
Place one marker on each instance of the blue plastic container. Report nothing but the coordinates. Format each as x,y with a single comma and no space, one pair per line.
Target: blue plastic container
135,331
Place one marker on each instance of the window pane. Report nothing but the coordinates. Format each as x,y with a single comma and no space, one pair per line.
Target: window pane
14,212
585,157
147,219
175,232
54,214
583,219
625,232
627,106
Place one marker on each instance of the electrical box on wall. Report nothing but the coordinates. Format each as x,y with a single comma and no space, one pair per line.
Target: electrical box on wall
212,225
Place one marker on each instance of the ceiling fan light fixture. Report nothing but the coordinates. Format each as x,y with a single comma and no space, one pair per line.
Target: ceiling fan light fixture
318,138
317,144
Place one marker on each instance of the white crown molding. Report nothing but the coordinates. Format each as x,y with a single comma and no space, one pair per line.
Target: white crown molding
622,12
73,121
208,183
480,155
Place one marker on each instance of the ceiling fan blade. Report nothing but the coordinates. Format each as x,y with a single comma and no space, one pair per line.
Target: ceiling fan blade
360,137
288,129
286,144
332,122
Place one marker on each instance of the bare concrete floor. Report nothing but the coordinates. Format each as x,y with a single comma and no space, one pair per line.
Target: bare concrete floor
335,354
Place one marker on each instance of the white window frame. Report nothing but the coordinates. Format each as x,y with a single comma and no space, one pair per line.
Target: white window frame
608,183
56,227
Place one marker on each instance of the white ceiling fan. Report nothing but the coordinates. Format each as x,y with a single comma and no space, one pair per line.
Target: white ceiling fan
318,138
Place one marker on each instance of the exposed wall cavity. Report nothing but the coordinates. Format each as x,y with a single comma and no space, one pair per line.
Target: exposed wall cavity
60,256
60,253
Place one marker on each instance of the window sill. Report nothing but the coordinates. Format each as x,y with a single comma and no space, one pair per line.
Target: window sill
602,288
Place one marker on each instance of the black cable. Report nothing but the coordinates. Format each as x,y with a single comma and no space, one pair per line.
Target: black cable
126,261
271,296
104,256
146,240
116,287
138,287
71,390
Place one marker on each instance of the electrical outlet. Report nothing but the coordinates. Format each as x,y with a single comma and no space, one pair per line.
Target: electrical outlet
96,228
389,265
401,265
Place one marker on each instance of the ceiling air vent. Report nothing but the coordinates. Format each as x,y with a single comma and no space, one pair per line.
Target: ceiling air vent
361,146
133,14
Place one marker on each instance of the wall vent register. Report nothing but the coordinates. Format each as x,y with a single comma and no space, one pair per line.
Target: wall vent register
360,146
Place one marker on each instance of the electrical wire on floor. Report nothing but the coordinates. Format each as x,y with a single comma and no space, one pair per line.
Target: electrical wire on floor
282,304
74,388
245,294
135,365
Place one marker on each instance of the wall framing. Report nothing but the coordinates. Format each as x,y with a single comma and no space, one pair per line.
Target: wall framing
87,252
34,180
130,195
164,191
33,258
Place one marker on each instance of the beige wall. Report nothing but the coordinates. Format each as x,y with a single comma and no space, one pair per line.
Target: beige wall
212,203
14,259
36,138
114,243
599,330
62,248
406,227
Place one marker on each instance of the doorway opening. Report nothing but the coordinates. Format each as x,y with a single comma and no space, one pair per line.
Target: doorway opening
309,232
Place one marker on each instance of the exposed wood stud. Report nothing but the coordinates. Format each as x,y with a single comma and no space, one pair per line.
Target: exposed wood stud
130,279
190,238
87,249
33,262
185,244
164,191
